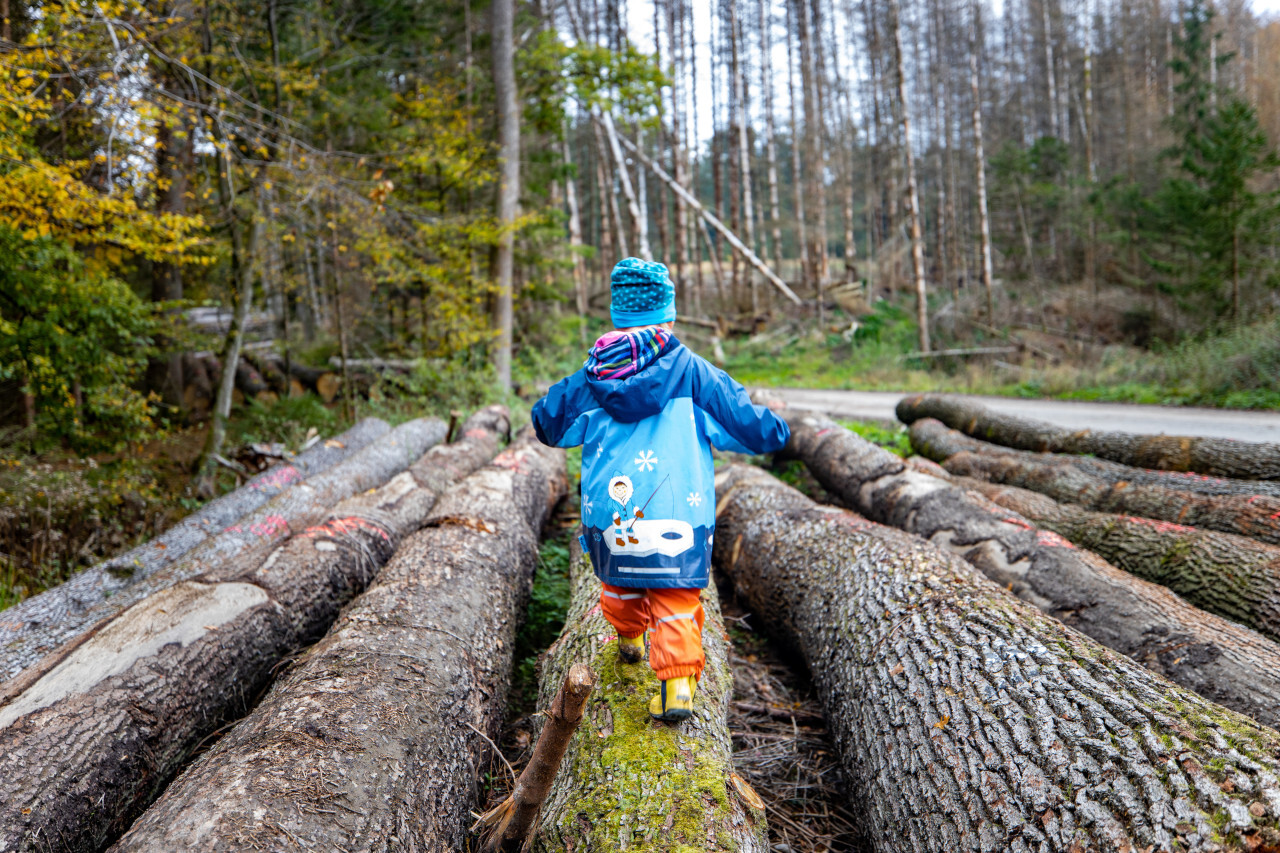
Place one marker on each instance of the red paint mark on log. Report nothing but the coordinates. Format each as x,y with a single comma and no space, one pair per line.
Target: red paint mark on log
339,526
1160,526
475,432
1018,522
511,460
593,611
277,478
1052,540
820,433
272,525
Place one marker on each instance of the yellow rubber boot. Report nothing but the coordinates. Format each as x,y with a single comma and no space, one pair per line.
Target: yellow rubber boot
631,649
674,701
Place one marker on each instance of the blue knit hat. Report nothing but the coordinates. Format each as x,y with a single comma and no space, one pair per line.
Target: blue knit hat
642,294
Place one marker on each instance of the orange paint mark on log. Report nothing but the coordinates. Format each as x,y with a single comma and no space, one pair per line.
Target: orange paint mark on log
272,525
340,526
1160,526
1052,540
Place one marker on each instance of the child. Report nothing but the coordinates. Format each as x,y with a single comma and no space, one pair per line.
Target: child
646,411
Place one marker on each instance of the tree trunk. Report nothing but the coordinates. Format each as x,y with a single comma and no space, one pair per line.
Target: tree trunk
770,131
797,172
967,720
1233,576
639,224
1218,659
1217,457
674,780
508,108
174,160
575,235
125,710
913,195
744,150
57,612
1079,481
377,736
51,631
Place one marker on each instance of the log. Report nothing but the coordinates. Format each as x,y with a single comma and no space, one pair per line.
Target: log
197,394
1232,576
64,610
967,720
377,736
1070,480
1220,457
1222,661
39,637
939,442
271,367
675,781
87,747
249,381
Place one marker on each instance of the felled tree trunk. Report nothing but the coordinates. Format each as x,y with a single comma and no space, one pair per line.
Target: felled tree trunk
373,741
967,720
1219,457
935,440
48,633
32,627
1218,659
1233,576
86,747
1070,481
674,781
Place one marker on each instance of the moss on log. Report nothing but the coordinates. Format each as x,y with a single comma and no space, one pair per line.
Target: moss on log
1070,480
1220,457
85,747
627,781
376,738
969,721
33,627
1217,658
1233,576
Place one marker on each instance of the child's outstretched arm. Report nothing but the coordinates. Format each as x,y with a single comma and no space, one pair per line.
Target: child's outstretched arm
733,422
557,419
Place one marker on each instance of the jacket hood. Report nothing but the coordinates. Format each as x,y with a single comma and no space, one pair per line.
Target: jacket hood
629,373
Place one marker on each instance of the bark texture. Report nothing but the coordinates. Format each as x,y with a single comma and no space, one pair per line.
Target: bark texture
85,747
1218,659
969,721
629,782
372,741
1078,481
34,626
1233,576
1219,457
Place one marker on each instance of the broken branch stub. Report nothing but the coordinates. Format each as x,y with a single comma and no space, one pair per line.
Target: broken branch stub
966,719
376,737
1218,659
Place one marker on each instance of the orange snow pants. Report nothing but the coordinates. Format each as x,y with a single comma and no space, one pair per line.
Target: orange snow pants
674,615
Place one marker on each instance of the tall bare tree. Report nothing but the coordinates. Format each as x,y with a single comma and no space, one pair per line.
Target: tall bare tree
502,24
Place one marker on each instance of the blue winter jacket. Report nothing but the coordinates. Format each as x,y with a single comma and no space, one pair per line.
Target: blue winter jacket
648,486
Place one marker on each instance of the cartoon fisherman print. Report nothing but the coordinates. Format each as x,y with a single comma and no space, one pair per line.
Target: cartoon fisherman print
620,491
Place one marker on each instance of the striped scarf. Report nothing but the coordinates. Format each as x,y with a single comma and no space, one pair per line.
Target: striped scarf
617,355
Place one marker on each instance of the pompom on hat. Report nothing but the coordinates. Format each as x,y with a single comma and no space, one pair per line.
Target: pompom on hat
642,294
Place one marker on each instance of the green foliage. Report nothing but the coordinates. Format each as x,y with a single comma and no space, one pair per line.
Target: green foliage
544,619
286,421
76,340
892,437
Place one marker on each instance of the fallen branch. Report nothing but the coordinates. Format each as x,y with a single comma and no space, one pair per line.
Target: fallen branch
509,824
940,353
967,720
1215,456
370,741
1216,658
39,624
675,780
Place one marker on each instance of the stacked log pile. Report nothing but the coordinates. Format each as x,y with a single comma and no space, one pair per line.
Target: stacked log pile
1218,659
1213,456
968,720
1241,510
47,635
87,745
64,608
375,739
677,782
1233,576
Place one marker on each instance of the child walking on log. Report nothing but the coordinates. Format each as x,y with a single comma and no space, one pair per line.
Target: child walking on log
647,412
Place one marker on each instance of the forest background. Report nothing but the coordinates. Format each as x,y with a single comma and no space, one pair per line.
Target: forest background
1052,197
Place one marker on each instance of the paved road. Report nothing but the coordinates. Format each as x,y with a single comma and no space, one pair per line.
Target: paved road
1172,420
